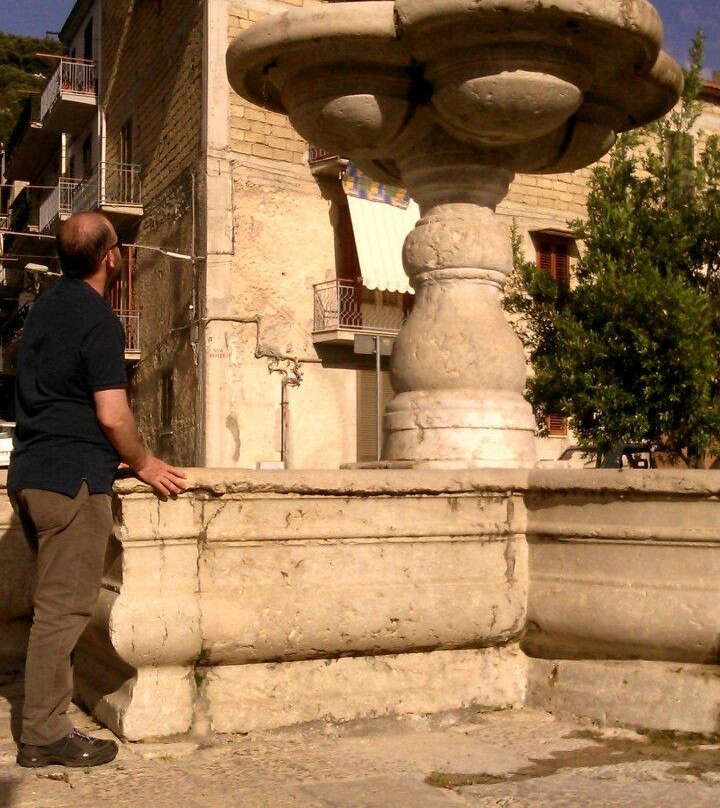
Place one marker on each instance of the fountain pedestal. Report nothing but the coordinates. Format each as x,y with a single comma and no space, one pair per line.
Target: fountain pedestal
458,368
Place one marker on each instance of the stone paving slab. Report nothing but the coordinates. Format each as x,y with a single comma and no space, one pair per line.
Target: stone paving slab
512,759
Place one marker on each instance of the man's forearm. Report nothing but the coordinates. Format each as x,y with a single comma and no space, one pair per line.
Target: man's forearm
123,435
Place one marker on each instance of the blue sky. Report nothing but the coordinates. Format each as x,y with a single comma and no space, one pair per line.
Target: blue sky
682,18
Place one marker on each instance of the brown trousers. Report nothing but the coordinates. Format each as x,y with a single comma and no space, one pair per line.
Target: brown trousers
69,537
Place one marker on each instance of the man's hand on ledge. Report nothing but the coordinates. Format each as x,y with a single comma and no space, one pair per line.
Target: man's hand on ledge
164,478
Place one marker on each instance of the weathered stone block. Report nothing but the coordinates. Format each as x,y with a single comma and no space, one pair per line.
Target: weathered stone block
278,695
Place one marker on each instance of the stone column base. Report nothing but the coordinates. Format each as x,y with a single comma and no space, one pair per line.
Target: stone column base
460,429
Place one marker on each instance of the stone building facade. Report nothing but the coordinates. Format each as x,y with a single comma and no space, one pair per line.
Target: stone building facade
237,364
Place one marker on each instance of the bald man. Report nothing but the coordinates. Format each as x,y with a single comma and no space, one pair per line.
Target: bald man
74,425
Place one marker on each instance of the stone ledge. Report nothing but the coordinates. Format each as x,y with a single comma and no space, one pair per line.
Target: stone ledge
678,482
344,482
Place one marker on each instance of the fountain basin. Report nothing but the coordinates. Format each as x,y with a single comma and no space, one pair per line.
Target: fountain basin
353,76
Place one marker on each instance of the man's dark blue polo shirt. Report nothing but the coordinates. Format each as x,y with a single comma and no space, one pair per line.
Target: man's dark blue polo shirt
72,346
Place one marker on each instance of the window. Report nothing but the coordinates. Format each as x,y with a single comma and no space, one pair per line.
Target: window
350,266
127,181
553,256
167,396
126,141
87,156
88,41
367,448
557,426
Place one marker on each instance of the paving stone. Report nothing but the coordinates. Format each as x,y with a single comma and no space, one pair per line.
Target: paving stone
510,759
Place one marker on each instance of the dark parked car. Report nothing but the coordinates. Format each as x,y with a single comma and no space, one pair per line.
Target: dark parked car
623,456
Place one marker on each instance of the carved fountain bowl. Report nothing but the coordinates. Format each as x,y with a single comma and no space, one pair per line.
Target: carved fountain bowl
506,108
348,111
357,77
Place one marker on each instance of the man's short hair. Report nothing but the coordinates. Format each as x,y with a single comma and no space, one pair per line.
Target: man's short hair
82,242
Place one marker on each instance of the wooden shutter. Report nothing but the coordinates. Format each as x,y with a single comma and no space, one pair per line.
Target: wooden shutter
544,257
557,425
561,271
350,269
367,412
553,257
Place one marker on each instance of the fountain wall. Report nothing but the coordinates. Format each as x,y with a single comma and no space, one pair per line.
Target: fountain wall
259,600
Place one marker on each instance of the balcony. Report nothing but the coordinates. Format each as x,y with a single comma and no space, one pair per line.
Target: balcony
121,296
69,99
343,308
324,163
114,189
130,319
58,206
30,145
24,217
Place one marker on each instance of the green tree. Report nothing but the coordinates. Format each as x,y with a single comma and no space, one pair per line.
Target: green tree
21,72
631,350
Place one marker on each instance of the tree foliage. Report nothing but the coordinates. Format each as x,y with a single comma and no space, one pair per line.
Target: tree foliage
21,72
630,351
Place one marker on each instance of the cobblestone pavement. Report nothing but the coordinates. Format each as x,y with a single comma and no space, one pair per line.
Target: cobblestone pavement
513,759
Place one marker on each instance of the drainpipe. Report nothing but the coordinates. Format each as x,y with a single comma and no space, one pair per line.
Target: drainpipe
284,421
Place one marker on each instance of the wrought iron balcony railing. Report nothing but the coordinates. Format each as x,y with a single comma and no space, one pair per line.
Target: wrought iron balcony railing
130,319
345,305
59,204
78,76
325,162
109,184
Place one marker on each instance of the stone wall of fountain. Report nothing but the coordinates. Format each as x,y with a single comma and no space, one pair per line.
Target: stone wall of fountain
259,600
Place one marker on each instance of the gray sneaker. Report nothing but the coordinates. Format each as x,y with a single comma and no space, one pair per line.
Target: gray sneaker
76,750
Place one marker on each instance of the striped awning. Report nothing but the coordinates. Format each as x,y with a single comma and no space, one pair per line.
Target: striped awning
382,216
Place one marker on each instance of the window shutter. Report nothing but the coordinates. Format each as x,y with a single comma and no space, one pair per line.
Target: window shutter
367,412
561,274
557,425
544,257
553,257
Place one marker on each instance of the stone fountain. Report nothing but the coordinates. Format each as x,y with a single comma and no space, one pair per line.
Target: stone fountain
260,600
449,98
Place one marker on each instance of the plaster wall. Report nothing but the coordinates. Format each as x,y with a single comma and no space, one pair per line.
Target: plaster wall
262,263
284,243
